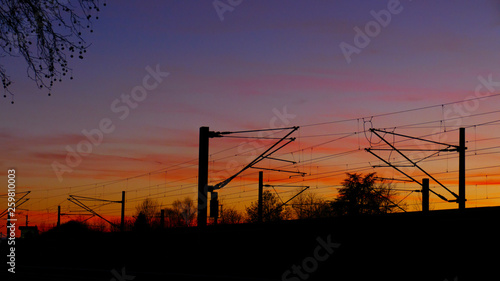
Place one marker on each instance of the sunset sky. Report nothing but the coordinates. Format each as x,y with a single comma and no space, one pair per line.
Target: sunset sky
259,64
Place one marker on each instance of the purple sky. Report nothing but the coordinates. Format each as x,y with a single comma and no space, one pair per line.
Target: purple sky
230,74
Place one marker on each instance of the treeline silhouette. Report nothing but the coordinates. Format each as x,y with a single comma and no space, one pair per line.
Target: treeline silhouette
359,195
374,245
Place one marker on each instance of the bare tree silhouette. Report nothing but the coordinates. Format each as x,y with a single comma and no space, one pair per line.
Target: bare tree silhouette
272,209
149,208
309,205
187,209
182,213
230,215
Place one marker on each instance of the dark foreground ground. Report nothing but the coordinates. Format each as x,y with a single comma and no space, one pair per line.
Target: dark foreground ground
442,245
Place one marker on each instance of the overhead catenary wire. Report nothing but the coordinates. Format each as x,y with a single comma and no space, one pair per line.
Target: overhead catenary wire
327,163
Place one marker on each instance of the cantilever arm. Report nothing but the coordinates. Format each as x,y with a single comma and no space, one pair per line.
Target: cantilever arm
259,158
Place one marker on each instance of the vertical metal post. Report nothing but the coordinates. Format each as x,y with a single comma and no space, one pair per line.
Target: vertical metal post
122,222
162,218
461,170
58,215
203,176
214,206
259,207
425,195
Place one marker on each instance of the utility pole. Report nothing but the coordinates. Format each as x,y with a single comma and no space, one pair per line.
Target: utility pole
214,206
58,215
203,187
122,223
259,207
203,176
461,170
162,218
460,197
425,195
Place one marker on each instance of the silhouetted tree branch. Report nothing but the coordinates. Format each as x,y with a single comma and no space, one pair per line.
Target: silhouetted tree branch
44,33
